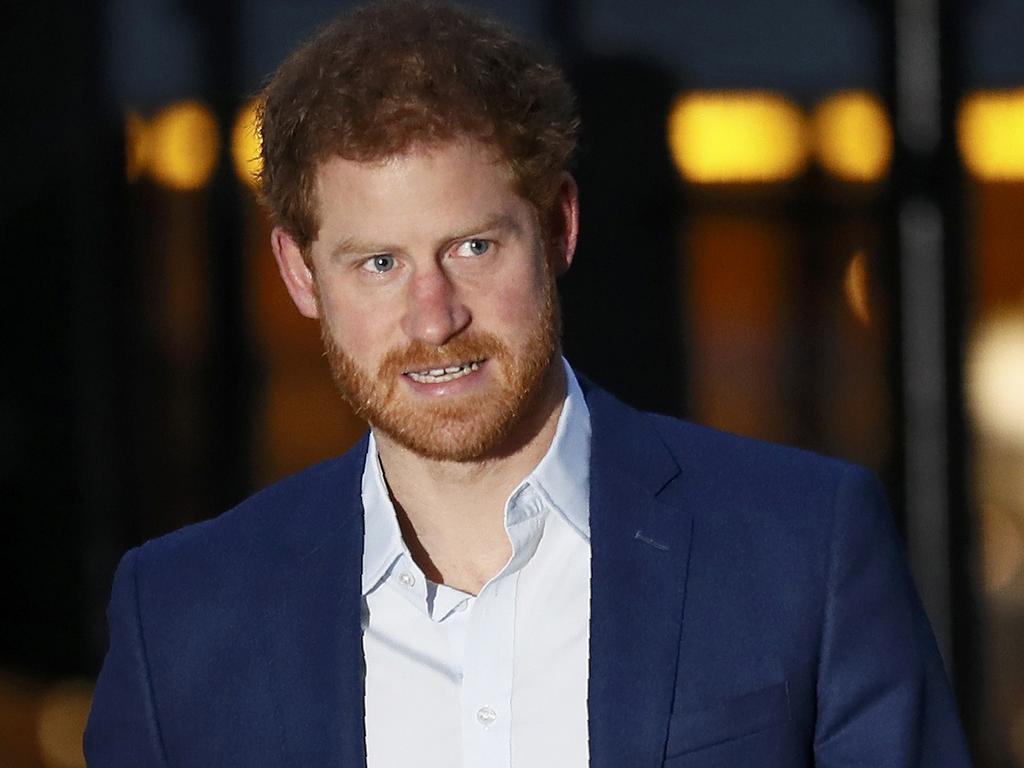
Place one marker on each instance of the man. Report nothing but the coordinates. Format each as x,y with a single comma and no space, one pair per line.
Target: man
513,568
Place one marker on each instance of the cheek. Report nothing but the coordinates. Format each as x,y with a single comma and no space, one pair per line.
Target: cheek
356,330
515,310
519,301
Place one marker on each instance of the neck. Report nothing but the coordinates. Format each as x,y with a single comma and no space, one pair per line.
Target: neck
452,513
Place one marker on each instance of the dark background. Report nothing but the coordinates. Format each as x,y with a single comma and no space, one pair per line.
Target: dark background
157,375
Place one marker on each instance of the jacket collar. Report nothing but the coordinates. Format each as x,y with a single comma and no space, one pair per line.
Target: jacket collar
640,542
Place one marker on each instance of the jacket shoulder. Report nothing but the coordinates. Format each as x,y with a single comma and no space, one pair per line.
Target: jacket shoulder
281,521
764,486
743,458
707,457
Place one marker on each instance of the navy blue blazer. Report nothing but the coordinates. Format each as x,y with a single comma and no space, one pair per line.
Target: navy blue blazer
750,607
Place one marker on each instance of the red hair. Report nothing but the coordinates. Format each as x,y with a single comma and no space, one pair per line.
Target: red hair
394,75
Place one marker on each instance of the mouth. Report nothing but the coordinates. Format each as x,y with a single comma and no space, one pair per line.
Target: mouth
446,374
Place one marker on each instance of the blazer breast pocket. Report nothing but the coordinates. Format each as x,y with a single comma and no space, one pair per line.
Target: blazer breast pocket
724,721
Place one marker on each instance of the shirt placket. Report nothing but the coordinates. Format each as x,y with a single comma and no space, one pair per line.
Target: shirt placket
487,676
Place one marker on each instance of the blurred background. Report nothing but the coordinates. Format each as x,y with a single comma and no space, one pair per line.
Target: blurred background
803,220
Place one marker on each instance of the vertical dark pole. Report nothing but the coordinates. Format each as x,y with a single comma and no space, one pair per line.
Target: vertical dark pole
930,277
106,329
230,366
63,453
965,640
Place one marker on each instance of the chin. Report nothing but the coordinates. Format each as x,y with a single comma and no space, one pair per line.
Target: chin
472,435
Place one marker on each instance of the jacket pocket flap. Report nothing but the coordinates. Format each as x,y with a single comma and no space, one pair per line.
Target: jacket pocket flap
731,719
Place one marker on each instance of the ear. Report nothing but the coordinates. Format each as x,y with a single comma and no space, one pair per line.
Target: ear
298,277
565,225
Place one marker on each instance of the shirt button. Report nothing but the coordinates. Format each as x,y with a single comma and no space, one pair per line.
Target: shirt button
407,578
485,716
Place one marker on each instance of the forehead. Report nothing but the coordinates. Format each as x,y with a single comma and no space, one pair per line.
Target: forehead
450,178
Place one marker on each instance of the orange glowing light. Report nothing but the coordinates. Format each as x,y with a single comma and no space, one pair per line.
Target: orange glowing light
853,137
995,377
856,286
62,714
184,145
737,137
990,133
245,146
136,146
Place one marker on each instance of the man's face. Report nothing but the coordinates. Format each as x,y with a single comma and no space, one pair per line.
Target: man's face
434,286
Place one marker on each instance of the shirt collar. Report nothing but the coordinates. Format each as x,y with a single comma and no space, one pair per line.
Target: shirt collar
561,478
382,539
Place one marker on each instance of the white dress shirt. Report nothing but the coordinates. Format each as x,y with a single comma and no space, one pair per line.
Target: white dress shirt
496,680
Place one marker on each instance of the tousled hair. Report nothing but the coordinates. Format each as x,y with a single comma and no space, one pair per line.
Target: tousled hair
394,76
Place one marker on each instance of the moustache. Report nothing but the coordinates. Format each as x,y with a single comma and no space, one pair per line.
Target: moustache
418,356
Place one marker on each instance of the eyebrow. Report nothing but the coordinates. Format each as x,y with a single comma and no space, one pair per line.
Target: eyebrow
350,245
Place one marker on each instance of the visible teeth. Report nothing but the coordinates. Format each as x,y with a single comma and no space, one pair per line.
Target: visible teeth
441,375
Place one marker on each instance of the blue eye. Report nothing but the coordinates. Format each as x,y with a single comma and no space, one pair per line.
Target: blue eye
475,247
380,263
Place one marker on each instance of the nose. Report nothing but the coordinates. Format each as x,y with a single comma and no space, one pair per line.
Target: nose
434,312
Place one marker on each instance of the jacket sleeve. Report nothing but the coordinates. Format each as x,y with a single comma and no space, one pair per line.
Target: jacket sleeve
123,728
883,698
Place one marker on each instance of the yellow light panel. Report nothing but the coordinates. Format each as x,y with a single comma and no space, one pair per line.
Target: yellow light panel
245,146
737,137
990,132
853,137
184,143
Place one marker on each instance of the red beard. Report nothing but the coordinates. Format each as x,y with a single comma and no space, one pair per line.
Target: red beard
469,427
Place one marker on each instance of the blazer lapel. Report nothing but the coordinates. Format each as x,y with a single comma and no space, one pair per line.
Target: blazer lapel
314,643
639,554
